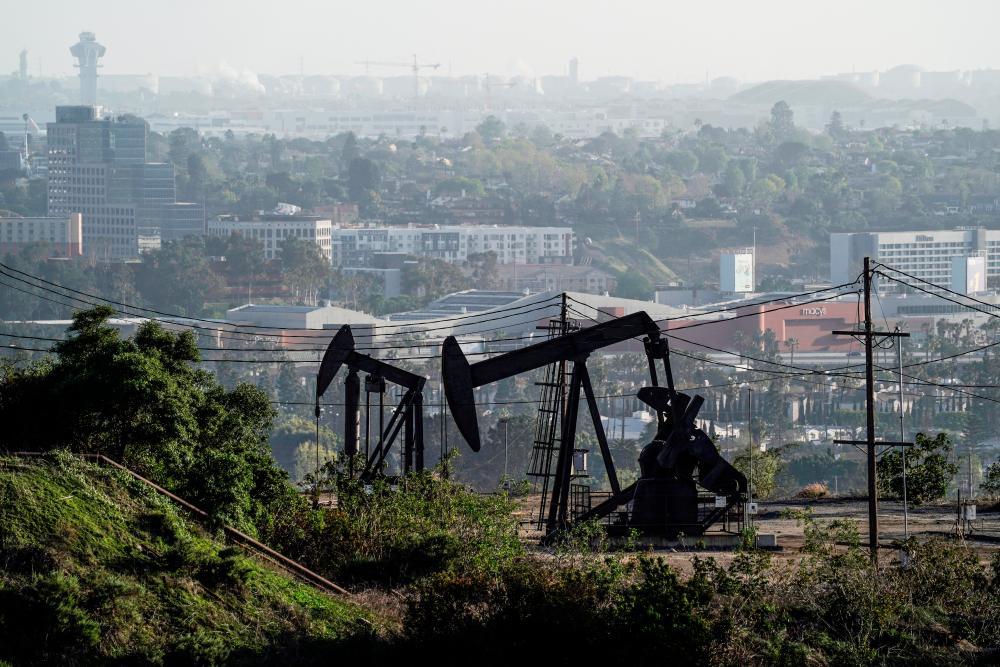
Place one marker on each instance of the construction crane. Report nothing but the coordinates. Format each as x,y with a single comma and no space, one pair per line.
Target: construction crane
414,67
30,126
489,85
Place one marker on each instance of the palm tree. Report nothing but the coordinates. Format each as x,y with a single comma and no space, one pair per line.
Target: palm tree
791,344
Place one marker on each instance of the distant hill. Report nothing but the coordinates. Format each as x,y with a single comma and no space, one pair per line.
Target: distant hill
845,95
810,93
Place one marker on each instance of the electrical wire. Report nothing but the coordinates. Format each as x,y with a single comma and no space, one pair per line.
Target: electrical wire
5,267
101,302
416,344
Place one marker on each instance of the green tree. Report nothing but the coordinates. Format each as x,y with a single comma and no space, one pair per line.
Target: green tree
349,151
633,285
766,467
485,273
244,257
432,278
734,180
305,268
991,480
183,141
491,128
712,160
790,153
928,469
363,176
835,128
293,445
197,178
144,402
460,185
684,162
782,123
177,277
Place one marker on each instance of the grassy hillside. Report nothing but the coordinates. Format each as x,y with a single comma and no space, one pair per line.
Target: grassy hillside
621,254
96,568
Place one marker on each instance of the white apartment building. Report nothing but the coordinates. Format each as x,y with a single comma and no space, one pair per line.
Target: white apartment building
927,255
271,230
455,243
63,235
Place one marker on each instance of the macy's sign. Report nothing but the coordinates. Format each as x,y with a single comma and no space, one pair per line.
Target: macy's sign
819,310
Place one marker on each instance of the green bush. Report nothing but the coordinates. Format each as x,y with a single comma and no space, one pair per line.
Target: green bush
928,470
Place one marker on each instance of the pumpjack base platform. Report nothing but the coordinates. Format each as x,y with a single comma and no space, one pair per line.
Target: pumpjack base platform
716,541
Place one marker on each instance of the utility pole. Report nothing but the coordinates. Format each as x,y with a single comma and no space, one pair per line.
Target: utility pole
316,485
562,313
869,336
902,434
750,442
506,442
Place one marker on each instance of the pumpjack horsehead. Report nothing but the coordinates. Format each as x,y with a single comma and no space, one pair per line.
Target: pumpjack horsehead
681,457
408,415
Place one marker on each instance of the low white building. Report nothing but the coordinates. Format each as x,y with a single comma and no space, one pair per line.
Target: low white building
64,234
271,230
627,428
351,245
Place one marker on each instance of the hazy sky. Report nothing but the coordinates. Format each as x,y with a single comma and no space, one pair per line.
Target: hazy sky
652,39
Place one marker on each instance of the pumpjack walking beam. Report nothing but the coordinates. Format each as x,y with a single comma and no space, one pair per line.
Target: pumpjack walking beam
408,413
461,379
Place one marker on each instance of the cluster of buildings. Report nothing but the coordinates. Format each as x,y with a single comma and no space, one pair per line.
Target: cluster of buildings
542,255
97,168
353,244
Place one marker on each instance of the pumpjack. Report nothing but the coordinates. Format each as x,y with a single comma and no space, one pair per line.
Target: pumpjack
408,415
665,499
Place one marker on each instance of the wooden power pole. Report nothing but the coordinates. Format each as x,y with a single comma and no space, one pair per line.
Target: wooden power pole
868,334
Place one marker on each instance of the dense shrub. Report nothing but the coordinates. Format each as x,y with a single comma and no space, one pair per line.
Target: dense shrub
396,534
832,608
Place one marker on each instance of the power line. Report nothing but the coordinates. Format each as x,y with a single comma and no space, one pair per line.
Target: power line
246,326
171,316
992,306
992,313
416,344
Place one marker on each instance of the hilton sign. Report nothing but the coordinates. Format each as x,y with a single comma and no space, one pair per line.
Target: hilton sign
819,311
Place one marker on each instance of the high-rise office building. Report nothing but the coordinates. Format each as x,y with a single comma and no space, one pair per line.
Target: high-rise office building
97,167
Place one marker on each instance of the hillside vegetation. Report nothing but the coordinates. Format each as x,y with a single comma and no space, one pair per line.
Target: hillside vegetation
97,568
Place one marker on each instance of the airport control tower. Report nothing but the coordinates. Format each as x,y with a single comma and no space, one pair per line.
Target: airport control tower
87,52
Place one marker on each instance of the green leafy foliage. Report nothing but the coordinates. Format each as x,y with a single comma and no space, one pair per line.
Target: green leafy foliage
143,402
765,469
95,569
928,469
385,533
991,481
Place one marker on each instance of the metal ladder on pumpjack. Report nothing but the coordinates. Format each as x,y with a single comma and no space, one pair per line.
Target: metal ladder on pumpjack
551,404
